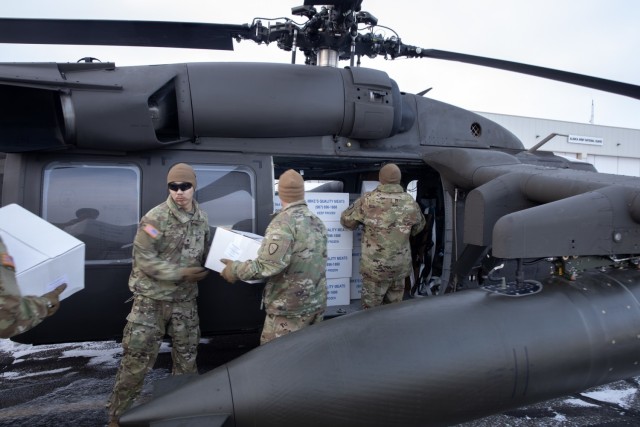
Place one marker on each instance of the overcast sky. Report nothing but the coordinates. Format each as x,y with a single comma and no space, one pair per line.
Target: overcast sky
594,37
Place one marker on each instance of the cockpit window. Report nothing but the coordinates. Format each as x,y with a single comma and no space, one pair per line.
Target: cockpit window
97,204
227,195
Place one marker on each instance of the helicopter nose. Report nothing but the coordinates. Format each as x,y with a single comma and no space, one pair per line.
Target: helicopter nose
197,400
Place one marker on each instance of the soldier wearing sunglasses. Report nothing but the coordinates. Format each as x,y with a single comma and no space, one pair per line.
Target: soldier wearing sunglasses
169,251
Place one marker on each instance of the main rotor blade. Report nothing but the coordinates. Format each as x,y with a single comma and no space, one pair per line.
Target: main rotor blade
120,33
611,86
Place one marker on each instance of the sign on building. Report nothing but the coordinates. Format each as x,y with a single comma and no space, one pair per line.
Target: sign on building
589,140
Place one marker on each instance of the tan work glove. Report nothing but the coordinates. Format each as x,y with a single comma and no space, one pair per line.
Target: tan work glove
54,299
227,273
194,274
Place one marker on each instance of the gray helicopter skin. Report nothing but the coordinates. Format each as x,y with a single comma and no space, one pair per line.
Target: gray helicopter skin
537,256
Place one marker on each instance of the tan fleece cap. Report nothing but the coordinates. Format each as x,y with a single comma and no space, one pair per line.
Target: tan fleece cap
182,172
291,186
390,174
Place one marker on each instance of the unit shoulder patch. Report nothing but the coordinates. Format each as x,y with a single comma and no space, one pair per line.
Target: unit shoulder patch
273,248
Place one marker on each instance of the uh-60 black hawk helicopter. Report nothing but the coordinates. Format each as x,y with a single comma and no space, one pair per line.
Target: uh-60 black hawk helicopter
536,256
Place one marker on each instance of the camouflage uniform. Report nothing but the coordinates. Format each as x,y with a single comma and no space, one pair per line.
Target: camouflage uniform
18,314
293,255
168,239
389,217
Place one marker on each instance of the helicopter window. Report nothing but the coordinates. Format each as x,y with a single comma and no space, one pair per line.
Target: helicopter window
227,195
97,204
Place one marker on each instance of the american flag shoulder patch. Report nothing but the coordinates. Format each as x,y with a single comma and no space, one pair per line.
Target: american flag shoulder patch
6,260
151,230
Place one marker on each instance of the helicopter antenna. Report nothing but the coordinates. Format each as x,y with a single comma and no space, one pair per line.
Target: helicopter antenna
592,112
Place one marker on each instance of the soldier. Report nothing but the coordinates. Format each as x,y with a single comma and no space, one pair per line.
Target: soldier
389,217
18,314
169,249
293,256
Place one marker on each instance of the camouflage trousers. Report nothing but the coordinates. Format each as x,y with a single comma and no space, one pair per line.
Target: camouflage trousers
276,326
147,324
377,292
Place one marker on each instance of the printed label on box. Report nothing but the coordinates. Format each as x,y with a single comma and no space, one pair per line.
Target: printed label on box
338,237
355,284
338,263
338,291
326,206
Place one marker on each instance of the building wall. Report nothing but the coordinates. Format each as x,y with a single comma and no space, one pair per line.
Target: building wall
609,149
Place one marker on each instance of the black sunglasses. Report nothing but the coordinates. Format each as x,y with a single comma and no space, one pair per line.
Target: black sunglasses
182,187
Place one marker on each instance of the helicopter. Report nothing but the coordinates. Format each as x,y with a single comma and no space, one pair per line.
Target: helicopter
536,256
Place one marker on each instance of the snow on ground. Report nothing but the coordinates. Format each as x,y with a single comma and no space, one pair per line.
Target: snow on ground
623,398
580,402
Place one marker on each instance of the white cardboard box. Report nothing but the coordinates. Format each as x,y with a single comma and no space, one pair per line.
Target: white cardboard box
368,186
44,255
338,291
232,244
356,287
327,206
338,237
338,263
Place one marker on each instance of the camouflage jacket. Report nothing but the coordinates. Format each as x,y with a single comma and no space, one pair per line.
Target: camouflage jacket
18,314
293,255
169,239
389,217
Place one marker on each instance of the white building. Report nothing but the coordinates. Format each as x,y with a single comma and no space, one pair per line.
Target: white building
610,149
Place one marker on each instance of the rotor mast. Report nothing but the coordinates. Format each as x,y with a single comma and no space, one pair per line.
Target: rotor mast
329,34
328,56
